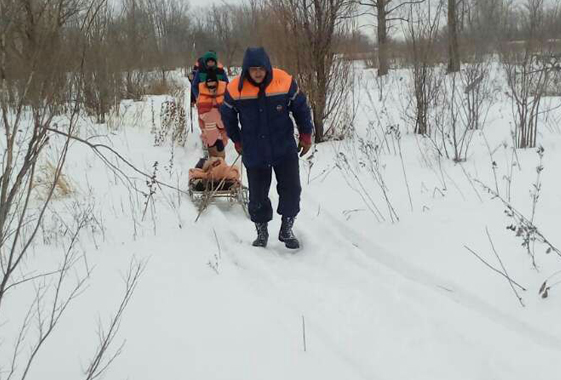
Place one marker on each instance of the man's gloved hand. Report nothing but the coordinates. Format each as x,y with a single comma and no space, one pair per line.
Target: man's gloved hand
238,146
305,143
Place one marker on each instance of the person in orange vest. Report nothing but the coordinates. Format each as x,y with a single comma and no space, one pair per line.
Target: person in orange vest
262,100
211,96
208,62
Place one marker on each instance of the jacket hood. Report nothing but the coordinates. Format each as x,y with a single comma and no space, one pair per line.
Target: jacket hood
256,57
208,56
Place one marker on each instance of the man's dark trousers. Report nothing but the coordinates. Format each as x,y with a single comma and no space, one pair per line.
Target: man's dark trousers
289,189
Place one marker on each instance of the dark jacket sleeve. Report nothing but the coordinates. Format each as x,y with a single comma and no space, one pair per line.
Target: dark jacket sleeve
195,85
300,110
229,115
225,74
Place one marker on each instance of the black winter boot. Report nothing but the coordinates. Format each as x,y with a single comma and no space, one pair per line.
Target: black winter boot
262,235
286,235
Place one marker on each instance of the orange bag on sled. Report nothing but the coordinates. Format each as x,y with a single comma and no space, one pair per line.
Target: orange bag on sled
215,173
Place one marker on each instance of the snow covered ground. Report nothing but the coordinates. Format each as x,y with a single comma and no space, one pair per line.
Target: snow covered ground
363,299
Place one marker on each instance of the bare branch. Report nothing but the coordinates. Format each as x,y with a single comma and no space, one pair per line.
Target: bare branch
493,268
391,10
97,147
502,266
100,362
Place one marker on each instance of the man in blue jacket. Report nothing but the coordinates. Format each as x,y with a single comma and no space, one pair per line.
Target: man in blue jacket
261,99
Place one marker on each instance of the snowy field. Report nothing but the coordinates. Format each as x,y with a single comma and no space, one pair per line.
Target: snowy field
384,287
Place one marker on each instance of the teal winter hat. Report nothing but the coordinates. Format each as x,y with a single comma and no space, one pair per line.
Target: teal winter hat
210,56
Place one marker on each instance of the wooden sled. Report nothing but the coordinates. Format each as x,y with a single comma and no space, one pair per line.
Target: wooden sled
215,181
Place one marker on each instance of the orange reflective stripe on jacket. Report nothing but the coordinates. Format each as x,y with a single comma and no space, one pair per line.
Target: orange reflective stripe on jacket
280,85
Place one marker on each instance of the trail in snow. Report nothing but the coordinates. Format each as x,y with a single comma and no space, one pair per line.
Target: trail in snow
373,309
368,288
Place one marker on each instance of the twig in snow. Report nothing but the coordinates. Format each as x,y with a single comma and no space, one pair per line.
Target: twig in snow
398,137
304,333
217,243
502,266
470,182
524,227
493,163
535,193
102,358
347,213
493,268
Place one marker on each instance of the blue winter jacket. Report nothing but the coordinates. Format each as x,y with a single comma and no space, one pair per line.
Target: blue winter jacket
267,131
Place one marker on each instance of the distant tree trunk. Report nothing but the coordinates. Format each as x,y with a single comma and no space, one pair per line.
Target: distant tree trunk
318,124
383,66
453,47
319,103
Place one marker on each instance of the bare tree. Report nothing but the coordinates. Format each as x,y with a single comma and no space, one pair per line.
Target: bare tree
453,46
42,63
383,11
137,42
29,87
421,36
34,88
221,22
102,357
305,45
251,21
529,73
102,78
171,30
483,26
478,93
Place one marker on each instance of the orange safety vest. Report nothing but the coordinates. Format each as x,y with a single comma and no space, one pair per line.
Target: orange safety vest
206,100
